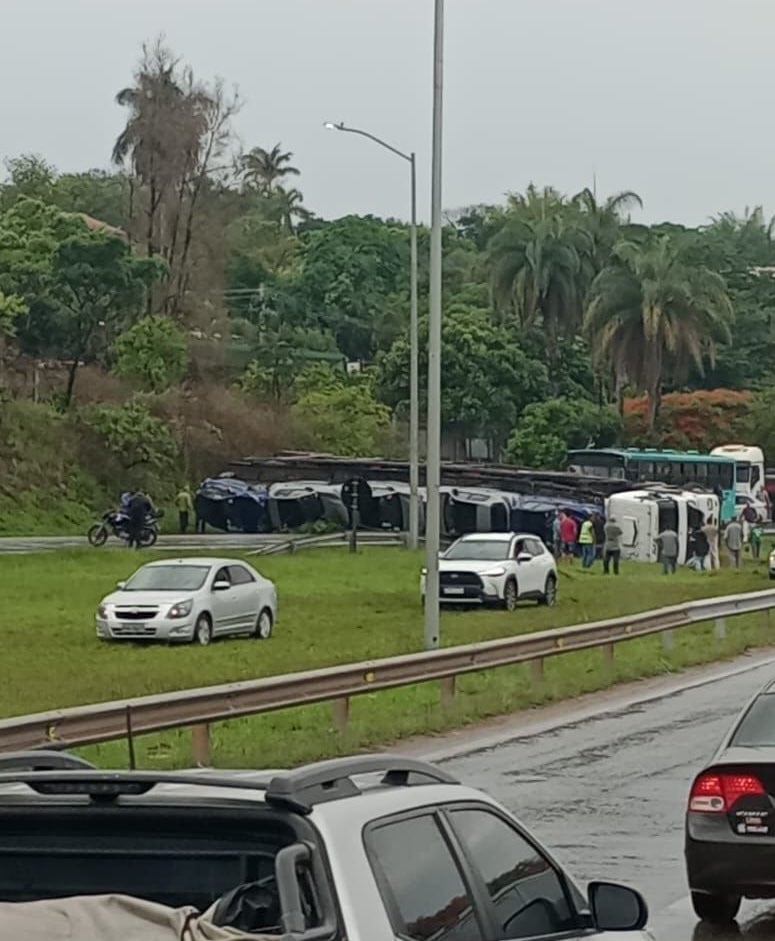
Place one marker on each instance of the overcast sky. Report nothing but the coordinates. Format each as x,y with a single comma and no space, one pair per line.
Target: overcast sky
672,98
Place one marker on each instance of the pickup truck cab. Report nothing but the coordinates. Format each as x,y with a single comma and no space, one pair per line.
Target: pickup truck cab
368,848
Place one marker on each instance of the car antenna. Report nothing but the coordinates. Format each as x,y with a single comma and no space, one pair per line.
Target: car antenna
129,739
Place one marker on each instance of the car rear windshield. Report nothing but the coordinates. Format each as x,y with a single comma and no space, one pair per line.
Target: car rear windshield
479,550
168,578
757,726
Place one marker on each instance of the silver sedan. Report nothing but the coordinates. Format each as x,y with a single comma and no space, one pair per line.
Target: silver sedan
189,600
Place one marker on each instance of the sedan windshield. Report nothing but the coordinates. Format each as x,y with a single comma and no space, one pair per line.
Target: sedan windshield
168,578
757,726
479,550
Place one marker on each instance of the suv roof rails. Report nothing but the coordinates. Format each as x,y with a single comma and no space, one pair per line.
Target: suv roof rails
330,780
299,790
42,760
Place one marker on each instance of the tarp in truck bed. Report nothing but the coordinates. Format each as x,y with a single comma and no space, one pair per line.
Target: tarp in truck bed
112,918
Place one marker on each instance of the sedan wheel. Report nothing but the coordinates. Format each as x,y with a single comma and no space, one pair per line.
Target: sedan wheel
203,632
264,625
716,909
510,596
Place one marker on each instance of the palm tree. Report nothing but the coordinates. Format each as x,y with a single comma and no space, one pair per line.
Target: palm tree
651,316
541,271
604,220
264,168
288,207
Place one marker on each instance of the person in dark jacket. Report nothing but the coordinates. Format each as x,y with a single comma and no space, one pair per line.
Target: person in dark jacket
140,507
699,547
599,527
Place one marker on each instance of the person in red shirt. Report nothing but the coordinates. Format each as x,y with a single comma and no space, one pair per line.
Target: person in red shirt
568,535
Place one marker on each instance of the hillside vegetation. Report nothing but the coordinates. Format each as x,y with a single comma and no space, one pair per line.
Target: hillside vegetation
185,307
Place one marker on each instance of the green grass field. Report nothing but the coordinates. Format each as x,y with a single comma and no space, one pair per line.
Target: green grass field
334,608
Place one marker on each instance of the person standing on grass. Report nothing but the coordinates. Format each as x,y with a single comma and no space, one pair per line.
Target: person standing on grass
599,527
733,540
568,534
756,541
185,507
556,535
700,548
587,543
612,547
667,542
711,534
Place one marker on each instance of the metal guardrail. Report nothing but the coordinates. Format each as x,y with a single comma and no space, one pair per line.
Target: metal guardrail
83,725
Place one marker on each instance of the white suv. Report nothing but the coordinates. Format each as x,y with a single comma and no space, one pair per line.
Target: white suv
497,569
368,848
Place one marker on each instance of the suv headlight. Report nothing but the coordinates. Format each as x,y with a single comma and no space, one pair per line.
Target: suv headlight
102,612
494,573
181,610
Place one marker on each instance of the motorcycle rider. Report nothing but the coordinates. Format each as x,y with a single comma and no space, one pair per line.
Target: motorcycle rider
140,508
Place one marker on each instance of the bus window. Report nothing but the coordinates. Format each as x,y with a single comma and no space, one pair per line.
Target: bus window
702,471
744,471
727,476
755,477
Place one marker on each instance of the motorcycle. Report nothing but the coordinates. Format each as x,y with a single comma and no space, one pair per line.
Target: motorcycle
116,523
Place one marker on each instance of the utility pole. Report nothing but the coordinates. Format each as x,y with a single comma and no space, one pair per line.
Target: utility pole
433,472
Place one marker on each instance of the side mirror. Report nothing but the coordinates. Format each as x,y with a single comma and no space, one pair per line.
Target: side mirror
616,907
524,557
121,585
221,586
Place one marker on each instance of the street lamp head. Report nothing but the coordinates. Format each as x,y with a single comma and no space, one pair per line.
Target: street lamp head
334,127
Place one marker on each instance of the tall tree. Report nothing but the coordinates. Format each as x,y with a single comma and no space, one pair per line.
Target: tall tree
604,220
264,169
174,146
652,316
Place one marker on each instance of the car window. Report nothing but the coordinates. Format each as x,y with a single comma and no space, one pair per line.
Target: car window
534,546
222,575
420,882
528,895
240,575
757,727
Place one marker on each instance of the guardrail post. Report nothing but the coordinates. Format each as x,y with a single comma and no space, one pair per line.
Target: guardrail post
720,631
341,713
537,674
667,641
200,745
448,689
608,657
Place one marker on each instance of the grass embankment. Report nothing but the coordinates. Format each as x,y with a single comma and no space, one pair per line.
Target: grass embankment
335,608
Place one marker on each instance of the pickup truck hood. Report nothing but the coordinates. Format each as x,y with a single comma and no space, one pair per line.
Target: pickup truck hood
465,565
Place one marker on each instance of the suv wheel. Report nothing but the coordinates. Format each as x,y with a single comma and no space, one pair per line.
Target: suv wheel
716,909
549,596
510,595
203,631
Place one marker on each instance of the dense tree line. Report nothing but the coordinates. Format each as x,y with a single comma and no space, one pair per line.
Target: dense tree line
556,307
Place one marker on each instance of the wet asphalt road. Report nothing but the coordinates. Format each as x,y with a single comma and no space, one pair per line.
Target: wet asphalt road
607,793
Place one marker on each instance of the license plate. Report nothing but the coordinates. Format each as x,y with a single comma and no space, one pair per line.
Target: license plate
454,591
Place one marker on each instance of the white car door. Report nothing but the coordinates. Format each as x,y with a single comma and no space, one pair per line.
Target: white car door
527,573
245,597
225,604
543,561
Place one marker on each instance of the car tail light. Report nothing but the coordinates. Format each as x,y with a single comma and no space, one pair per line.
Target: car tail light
715,792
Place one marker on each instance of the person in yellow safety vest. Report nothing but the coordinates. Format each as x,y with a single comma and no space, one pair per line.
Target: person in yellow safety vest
185,507
587,543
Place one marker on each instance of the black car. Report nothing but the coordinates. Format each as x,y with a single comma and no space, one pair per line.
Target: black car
730,819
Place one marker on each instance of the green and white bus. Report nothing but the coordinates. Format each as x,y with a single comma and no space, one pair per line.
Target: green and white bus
713,472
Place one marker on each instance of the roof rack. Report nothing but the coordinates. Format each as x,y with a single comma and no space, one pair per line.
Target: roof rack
42,760
330,780
299,790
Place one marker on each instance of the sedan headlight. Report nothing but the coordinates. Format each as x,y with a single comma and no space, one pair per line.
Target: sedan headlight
102,612
181,610
494,573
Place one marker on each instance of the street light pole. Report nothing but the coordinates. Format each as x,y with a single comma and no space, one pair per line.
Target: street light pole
433,472
414,392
